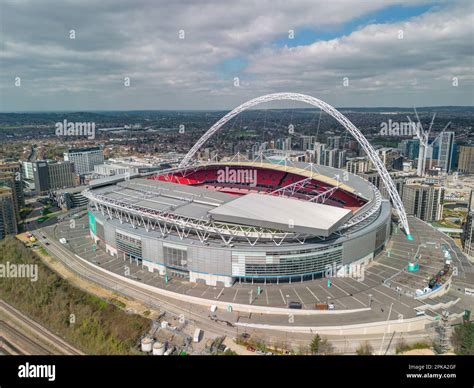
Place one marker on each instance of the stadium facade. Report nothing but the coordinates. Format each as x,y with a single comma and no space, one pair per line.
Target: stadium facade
245,221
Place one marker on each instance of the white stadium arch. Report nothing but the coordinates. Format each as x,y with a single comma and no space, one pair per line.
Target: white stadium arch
366,146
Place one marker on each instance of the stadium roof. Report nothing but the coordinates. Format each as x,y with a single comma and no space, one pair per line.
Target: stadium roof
282,213
292,169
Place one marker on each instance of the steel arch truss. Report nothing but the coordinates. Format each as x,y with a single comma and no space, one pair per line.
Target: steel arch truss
343,120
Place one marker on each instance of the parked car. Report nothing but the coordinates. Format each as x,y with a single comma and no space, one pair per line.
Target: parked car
245,336
295,305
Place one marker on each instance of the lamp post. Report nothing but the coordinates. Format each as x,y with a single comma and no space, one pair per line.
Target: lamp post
386,327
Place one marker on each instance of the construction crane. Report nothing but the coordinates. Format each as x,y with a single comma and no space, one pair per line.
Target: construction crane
424,136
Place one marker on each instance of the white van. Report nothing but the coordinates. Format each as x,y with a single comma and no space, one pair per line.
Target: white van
197,335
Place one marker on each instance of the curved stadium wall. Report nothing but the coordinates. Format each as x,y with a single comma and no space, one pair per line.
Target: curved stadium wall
213,262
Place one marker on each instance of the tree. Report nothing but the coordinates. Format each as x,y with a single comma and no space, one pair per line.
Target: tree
320,346
401,346
365,349
325,347
463,339
314,346
302,349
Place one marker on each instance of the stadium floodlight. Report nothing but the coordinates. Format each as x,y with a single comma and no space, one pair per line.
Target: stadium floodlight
333,112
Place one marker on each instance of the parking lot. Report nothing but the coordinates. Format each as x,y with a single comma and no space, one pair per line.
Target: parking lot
343,293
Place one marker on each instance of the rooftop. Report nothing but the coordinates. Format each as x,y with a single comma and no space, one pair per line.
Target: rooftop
254,209
282,213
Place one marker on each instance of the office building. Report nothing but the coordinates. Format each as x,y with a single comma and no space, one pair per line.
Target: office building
410,148
446,151
27,170
84,159
467,238
50,175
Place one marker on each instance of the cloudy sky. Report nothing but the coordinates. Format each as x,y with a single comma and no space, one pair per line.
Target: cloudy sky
218,54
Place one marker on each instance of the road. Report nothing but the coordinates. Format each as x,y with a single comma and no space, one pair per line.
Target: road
110,282
199,316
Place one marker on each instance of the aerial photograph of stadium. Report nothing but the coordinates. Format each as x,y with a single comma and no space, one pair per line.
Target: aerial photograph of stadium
255,178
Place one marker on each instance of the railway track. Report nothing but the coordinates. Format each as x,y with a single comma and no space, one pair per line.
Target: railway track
110,282
42,332
13,334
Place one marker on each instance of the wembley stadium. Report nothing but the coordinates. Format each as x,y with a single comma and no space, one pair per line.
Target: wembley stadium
241,221
248,221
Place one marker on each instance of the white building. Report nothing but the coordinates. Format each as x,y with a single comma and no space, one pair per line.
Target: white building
85,159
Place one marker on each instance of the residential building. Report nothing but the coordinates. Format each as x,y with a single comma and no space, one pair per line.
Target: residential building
15,169
423,200
358,165
334,142
8,180
8,221
466,160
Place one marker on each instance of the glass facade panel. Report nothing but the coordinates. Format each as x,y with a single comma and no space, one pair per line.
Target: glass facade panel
175,258
128,245
288,264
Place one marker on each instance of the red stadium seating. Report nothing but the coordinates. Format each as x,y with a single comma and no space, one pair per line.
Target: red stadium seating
267,181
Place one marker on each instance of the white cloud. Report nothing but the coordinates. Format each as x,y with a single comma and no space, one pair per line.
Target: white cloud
139,39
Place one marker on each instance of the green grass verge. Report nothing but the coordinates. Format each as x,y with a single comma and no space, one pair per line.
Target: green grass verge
99,327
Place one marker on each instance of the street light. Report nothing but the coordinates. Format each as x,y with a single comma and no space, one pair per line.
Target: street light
386,328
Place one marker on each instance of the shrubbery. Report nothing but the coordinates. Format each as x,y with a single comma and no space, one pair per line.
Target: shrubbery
86,321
